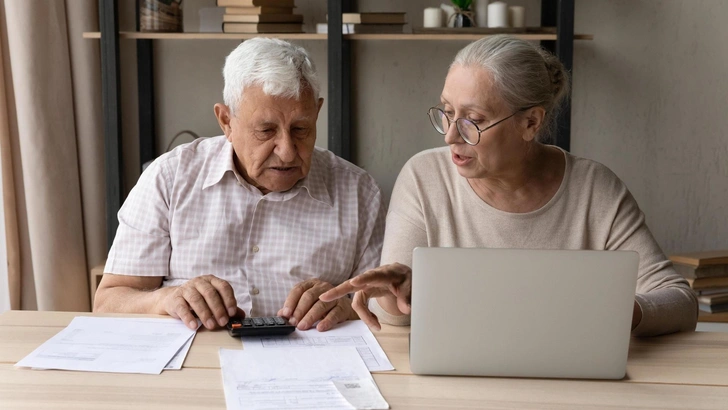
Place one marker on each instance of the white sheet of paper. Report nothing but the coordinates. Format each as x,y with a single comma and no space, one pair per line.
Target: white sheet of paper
290,379
320,395
116,345
179,358
361,394
352,333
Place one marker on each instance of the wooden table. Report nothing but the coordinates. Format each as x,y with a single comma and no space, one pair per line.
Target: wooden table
687,370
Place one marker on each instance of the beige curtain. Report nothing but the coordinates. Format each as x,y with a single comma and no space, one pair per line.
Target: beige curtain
51,152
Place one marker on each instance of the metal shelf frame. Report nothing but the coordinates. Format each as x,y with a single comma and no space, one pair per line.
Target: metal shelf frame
558,13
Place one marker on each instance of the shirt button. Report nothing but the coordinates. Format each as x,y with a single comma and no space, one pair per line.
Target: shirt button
254,291
256,249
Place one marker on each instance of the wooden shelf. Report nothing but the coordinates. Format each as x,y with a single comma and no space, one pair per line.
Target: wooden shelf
713,317
313,36
456,36
135,35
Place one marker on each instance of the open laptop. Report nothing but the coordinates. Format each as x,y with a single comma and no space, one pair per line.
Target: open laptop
522,313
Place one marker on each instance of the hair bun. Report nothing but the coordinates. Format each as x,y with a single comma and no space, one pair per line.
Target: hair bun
557,74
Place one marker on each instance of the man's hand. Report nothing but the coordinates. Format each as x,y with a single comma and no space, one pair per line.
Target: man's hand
393,280
303,307
210,298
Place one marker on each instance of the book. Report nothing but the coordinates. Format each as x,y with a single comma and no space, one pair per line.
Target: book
374,18
323,28
262,28
373,28
712,300
348,28
262,18
708,282
709,271
713,308
258,10
711,291
256,3
700,259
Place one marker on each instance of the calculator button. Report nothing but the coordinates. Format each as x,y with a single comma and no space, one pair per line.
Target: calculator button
269,321
236,325
279,320
258,321
247,322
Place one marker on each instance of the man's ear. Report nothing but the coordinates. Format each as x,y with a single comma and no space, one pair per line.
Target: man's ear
533,121
222,113
320,104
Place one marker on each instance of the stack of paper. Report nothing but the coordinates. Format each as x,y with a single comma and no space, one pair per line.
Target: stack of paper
116,345
353,333
323,379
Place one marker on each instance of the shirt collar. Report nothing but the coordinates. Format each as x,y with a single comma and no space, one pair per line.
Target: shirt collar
221,164
314,183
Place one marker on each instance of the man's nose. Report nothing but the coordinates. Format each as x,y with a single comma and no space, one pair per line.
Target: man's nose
286,148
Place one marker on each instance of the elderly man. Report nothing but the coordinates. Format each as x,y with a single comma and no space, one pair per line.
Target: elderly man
258,221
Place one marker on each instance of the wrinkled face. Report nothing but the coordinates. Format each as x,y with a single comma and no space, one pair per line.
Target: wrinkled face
469,93
273,137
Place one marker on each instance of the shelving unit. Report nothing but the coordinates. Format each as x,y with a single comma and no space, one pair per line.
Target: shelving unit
554,13
134,35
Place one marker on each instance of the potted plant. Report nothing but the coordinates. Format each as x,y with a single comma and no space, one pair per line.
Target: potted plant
463,16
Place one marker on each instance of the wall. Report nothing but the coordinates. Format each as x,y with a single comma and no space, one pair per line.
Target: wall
649,100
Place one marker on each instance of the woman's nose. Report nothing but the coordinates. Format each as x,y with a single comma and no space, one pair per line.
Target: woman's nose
452,135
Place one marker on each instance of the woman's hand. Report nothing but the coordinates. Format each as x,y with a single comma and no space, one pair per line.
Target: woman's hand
393,280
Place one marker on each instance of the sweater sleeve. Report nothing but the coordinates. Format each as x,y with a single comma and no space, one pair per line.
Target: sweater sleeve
667,302
405,230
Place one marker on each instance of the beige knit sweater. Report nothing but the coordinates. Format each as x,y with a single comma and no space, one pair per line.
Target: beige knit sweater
432,205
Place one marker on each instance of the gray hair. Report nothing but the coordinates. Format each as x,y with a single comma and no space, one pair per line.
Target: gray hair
524,74
279,67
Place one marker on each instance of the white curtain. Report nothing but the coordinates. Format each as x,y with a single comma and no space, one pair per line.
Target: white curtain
51,153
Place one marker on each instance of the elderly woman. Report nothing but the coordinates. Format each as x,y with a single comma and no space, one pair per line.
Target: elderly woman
497,185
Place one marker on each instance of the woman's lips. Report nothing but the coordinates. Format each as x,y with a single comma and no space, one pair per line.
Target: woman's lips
460,160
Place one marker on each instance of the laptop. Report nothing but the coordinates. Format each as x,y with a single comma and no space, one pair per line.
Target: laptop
522,313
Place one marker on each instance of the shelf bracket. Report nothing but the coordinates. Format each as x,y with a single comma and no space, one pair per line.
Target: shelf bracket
339,81
145,87
110,99
560,13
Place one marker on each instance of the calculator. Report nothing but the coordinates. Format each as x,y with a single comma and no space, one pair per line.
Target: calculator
259,326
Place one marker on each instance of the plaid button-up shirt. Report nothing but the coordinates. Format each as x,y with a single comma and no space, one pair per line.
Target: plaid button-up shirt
191,214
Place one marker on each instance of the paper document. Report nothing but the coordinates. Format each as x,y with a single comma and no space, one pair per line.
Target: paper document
296,379
352,333
361,394
117,345
179,358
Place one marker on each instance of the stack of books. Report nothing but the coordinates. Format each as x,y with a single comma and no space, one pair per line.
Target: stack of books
260,16
369,23
707,273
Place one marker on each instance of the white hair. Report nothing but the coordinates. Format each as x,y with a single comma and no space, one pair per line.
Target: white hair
525,75
280,68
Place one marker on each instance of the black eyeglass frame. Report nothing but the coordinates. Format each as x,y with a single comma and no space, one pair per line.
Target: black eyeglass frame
457,123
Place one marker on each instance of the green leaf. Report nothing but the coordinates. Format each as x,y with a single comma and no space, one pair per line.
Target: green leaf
462,4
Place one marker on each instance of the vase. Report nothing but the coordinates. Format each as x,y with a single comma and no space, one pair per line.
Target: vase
462,20
160,15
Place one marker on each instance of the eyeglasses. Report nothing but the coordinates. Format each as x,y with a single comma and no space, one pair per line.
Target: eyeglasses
466,128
